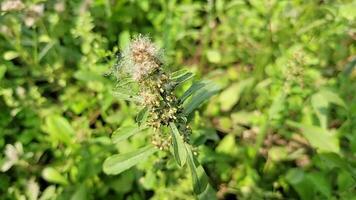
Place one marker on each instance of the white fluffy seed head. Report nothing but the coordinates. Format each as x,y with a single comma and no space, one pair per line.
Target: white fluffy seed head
141,57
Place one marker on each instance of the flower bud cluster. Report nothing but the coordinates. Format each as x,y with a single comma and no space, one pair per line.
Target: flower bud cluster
156,91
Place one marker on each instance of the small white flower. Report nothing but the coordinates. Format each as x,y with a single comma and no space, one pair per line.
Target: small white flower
12,153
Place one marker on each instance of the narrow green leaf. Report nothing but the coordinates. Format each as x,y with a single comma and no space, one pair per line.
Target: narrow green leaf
53,176
321,139
181,76
123,133
179,150
126,97
87,76
202,95
208,194
120,162
193,88
199,178
142,116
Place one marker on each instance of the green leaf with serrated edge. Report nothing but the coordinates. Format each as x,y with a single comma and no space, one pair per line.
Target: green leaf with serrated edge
193,88
321,139
179,150
123,133
118,163
202,95
199,178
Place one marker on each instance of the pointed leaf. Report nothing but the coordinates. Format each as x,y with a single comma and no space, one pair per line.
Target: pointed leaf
199,178
202,95
179,150
53,176
319,138
120,162
181,76
332,97
123,133
142,116
193,88
127,97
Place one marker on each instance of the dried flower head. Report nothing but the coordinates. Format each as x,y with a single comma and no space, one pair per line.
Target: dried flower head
141,57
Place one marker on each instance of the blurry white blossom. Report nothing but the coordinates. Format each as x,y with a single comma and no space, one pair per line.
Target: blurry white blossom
33,13
33,189
12,5
12,155
59,6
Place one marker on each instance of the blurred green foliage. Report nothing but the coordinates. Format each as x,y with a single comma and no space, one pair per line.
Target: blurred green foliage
283,127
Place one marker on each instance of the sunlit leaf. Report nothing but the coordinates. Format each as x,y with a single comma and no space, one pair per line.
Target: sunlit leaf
9,55
321,139
59,129
231,95
120,162
213,56
52,175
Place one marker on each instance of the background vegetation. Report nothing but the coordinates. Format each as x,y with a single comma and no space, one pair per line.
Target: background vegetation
282,127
